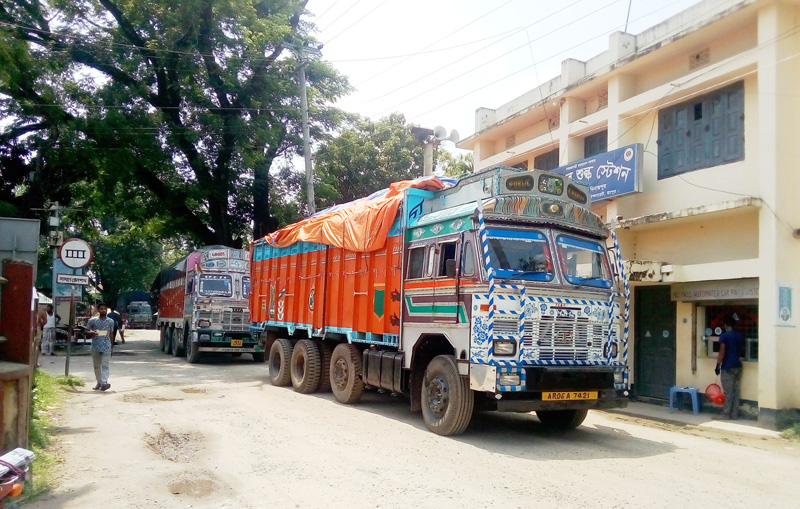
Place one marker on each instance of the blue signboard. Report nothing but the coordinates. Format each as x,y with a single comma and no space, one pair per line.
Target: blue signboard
609,174
62,291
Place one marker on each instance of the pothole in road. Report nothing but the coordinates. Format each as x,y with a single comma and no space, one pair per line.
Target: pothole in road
176,447
194,390
141,398
193,485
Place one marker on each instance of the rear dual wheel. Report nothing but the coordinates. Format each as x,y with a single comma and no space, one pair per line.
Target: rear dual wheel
279,357
306,367
345,373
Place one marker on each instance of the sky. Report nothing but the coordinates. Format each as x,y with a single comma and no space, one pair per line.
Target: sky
437,61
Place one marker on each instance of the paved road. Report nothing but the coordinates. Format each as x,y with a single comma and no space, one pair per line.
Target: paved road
169,434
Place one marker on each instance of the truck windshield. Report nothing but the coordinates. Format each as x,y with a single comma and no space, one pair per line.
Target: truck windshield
583,262
215,286
245,287
520,254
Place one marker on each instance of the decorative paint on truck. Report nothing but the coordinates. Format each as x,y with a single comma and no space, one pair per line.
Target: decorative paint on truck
203,304
495,293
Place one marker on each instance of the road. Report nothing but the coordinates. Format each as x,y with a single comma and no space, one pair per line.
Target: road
169,434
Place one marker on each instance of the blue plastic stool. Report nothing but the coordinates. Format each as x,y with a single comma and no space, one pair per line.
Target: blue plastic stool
680,391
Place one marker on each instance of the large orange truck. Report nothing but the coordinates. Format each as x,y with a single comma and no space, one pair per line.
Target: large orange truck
493,292
203,304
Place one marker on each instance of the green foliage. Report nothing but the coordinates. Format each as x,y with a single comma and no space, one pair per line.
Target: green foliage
46,396
454,165
366,156
157,111
792,432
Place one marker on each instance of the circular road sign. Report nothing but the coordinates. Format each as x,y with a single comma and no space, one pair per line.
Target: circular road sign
75,253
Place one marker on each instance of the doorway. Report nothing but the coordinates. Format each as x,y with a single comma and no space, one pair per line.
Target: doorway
655,342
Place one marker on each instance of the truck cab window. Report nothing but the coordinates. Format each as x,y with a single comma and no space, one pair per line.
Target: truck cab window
447,252
215,286
468,260
416,263
246,287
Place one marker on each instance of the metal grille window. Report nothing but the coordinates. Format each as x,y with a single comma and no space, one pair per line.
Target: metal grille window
546,161
703,132
595,144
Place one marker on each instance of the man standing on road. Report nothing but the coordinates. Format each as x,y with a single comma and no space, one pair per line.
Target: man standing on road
47,322
101,329
731,349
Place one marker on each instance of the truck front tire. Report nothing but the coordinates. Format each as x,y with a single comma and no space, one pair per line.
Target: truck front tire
345,373
305,367
192,352
446,399
279,357
562,419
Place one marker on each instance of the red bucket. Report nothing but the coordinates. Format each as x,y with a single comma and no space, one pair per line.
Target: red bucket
714,394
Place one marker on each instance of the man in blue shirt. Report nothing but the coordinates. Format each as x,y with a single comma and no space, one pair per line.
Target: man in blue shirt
101,329
731,350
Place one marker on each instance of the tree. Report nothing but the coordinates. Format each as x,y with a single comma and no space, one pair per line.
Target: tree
453,165
158,110
366,156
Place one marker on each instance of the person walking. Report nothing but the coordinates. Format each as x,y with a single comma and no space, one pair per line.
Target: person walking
101,328
48,322
114,315
729,364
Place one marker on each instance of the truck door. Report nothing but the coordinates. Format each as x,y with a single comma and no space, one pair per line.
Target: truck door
445,288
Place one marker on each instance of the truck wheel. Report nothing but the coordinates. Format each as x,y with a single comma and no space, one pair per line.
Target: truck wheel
259,357
562,419
279,357
192,352
177,343
325,354
447,401
345,373
162,339
305,366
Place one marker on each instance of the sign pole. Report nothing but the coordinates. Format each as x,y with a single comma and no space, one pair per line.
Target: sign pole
70,328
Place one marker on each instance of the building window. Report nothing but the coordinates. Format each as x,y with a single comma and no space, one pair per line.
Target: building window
746,317
703,132
595,144
546,161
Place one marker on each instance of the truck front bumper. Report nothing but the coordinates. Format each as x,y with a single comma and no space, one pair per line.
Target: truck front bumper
531,402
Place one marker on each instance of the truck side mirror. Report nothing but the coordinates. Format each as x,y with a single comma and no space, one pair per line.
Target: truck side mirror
450,268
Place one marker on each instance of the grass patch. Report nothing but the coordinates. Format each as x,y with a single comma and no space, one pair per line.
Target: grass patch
48,393
792,432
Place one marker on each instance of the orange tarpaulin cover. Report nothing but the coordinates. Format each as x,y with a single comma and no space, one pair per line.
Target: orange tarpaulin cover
362,225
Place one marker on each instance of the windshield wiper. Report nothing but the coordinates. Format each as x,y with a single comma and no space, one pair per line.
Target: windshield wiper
583,280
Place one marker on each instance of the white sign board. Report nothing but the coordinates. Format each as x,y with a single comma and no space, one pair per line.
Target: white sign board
75,253
71,279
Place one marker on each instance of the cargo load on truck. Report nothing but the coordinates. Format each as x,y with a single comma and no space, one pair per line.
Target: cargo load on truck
203,305
496,291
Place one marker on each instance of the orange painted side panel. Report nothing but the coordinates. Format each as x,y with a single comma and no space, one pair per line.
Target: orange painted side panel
351,291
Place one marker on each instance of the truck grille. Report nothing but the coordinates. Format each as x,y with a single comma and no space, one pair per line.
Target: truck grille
564,339
227,320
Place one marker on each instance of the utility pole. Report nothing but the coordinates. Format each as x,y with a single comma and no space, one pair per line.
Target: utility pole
306,141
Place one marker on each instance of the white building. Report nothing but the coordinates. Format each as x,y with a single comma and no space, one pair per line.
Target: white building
709,223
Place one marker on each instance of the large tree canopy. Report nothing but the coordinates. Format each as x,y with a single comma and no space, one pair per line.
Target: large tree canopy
156,110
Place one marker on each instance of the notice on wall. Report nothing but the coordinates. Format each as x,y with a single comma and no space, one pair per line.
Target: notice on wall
727,289
785,306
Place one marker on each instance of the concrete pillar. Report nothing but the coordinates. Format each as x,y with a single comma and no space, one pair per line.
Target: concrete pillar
778,181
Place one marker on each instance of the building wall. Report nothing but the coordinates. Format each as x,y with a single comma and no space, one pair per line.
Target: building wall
726,222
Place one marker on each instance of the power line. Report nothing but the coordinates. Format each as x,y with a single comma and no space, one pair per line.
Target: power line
450,64
339,16
524,68
331,6
437,41
348,27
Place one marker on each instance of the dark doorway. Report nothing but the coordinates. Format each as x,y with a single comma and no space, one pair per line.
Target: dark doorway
655,342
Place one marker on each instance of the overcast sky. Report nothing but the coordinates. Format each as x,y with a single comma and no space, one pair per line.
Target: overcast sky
437,61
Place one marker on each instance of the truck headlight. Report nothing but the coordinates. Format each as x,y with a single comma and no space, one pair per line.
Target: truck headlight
504,347
509,378
619,377
204,323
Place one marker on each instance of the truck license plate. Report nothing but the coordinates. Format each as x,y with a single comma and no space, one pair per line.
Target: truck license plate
568,396
236,342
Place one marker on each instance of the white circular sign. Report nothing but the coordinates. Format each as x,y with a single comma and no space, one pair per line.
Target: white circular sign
75,253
